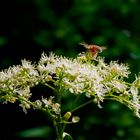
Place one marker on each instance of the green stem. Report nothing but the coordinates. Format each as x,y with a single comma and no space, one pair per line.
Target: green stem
75,101
34,105
57,129
120,99
50,86
59,126
82,105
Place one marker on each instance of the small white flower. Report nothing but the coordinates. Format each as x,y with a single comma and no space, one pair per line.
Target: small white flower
56,108
38,103
136,83
118,86
25,106
25,92
119,69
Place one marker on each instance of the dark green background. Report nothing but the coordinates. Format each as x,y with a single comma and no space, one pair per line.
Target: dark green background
29,27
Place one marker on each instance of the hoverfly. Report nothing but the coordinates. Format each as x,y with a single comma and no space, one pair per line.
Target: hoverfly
93,49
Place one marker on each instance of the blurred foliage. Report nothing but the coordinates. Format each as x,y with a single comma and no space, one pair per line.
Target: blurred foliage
29,27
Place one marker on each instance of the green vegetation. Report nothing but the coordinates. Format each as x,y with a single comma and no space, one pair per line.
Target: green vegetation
30,27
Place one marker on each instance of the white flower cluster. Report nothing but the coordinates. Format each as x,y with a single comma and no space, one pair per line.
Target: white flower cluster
81,75
49,104
19,79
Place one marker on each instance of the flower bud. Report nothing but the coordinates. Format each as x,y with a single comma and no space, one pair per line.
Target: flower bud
67,115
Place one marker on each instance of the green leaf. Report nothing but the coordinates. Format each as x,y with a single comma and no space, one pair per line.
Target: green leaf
67,136
38,132
3,40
